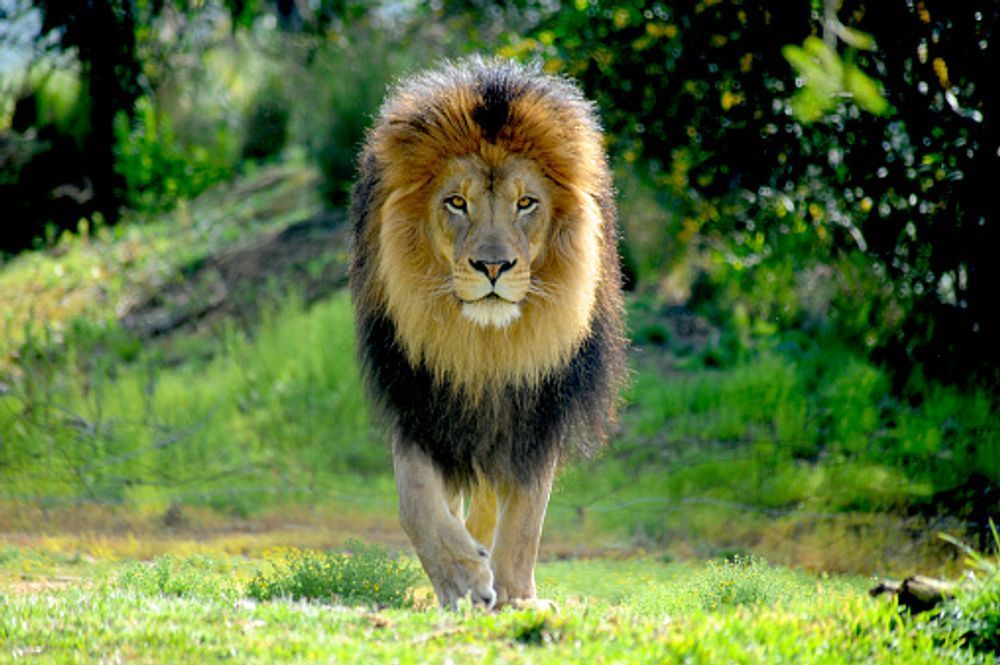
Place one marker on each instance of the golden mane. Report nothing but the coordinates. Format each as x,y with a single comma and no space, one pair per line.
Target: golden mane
433,119
501,401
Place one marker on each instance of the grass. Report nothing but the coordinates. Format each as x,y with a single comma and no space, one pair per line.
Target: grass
88,278
249,419
366,575
636,610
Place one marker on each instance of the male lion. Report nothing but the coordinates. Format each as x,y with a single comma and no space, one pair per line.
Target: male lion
487,295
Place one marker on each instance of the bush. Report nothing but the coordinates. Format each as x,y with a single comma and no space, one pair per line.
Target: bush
365,575
184,578
354,89
157,169
701,97
736,581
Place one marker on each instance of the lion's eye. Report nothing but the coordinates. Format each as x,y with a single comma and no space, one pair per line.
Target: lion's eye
456,203
526,203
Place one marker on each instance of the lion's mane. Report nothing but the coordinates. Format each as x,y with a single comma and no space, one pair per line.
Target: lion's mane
499,403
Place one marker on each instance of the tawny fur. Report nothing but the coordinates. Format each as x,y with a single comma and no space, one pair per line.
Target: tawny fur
561,358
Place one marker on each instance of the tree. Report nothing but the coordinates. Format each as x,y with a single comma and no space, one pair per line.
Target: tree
702,96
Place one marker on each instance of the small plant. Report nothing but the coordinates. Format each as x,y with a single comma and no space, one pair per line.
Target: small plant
736,581
364,575
192,577
537,628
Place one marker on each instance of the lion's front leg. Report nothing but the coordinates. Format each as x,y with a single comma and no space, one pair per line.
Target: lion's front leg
455,563
518,534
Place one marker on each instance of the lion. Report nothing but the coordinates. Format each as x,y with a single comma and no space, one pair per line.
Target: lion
487,294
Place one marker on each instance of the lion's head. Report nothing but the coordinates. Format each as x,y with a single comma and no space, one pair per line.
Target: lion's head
482,229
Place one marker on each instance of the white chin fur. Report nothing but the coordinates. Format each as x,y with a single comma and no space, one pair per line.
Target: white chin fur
491,312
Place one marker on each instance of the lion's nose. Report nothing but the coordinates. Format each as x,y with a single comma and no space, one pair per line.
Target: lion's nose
493,268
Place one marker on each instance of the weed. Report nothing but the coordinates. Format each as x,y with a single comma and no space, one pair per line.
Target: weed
190,577
536,628
736,581
364,575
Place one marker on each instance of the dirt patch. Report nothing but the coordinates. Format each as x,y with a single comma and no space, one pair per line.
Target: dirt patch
308,258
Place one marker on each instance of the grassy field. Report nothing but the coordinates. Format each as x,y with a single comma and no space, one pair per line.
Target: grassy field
198,608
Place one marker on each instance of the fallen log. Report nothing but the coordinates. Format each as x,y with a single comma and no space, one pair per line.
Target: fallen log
918,593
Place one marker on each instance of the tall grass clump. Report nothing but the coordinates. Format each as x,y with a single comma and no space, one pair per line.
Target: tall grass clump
191,577
246,418
363,575
735,582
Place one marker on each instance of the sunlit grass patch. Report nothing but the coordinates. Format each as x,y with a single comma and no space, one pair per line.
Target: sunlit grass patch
364,575
264,420
739,581
639,610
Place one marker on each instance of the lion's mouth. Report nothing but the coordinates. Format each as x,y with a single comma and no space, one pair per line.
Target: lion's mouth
488,298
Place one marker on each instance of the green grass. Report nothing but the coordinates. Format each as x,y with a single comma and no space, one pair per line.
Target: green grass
637,610
365,575
249,418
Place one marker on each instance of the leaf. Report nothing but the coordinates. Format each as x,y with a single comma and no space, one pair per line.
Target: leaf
865,91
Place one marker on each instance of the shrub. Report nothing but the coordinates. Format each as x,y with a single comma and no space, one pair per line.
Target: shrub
364,575
167,576
156,168
736,581
356,85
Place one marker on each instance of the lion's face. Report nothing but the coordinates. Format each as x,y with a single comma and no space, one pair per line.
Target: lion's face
489,224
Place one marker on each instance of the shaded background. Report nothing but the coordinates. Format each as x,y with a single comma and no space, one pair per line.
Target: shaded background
807,240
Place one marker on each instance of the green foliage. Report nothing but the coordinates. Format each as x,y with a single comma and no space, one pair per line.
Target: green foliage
156,168
189,577
697,96
253,419
974,613
826,77
735,582
350,81
60,100
365,575
804,426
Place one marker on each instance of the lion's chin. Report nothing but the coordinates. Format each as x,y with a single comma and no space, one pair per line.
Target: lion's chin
491,312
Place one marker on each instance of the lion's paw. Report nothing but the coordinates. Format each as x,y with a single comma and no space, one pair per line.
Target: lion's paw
460,577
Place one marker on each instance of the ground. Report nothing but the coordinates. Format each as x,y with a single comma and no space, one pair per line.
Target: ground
61,605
